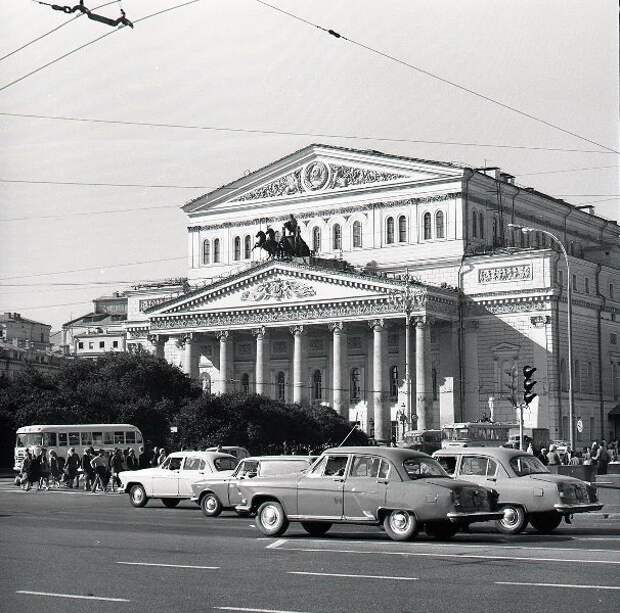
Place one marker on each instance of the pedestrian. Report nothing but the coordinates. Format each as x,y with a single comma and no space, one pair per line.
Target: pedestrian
55,473
530,449
44,480
162,456
100,465
34,470
587,457
25,482
602,457
154,457
594,454
71,468
543,456
143,459
87,470
553,457
116,466
132,461
576,459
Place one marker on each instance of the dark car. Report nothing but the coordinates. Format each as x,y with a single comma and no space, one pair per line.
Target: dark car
401,489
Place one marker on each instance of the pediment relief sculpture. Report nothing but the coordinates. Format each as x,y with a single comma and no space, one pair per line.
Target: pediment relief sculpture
277,290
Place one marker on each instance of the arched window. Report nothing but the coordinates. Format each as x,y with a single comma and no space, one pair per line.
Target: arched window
337,236
206,252
216,250
394,382
357,234
402,229
247,247
474,225
245,383
481,224
281,386
439,225
588,381
355,386
577,377
317,387
237,250
427,226
563,377
316,240
389,230
205,380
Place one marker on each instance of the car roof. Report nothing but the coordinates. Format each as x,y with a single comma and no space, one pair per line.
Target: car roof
498,452
390,453
200,454
285,458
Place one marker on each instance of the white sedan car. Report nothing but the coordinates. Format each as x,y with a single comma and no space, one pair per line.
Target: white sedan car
172,481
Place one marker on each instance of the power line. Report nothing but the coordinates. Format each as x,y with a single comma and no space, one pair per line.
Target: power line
566,170
432,75
95,40
150,124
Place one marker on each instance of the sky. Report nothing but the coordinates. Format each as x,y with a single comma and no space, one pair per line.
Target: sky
240,67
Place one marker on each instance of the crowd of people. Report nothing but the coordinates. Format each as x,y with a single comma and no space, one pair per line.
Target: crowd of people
92,471
597,454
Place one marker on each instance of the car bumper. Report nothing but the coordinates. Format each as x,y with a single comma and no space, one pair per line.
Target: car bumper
577,508
122,488
470,518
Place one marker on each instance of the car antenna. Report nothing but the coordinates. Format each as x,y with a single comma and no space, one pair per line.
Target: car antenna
120,21
348,435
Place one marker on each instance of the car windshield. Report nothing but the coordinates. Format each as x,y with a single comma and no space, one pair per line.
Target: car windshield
421,468
527,465
225,463
28,440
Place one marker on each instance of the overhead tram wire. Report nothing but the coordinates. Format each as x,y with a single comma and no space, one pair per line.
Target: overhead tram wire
295,133
437,77
92,42
62,25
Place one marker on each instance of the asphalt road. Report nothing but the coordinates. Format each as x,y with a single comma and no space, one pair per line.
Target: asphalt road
74,552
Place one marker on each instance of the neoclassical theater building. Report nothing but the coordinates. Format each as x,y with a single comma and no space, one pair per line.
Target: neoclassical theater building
416,302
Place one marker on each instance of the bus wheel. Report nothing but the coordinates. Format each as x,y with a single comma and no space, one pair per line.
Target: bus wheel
137,496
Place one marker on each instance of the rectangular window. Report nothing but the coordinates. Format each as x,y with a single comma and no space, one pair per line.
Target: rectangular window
97,438
130,438
575,283
613,339
193,464
80,345
87,439
115,344
62,439
119,438
49,439
108,438
101,344
91,345
74,439
587,285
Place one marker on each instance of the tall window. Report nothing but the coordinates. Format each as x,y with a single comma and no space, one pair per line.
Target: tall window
577,376
586,285
247,248
245,383
563,377
281,386
355,386
427,226
394,382
389,231
616,380
216,250
474,225
494,230
316,240
237,252
206,252
317,387
611,290
439,225
589,380
357,234
434,384
337,236
575,289
402,229
522,239
481,224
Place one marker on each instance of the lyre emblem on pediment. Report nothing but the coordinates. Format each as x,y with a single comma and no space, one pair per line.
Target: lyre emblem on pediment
315,176
278,290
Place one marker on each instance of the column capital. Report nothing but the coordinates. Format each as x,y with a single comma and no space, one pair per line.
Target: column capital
376,324
296,330
222,335
336,327
259,331
421,322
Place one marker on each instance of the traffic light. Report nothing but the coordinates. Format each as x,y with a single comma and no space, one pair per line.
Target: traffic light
511,384
528,384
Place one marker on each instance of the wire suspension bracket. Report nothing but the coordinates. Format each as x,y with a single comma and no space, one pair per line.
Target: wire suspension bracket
119,22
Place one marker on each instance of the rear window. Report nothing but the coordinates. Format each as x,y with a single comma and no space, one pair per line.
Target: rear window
194,464
421,468
225,463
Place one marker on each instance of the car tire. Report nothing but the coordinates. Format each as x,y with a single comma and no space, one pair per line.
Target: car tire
137,496
441,530
316,528
210,505
271,519
400,525
545,523
514,520
171,502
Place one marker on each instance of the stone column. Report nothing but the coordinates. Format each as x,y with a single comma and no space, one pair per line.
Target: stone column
381,415
223,337
337,383
259,377
297,331
188,354
423,386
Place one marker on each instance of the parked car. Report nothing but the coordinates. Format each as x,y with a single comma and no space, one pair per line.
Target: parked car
238,452
401,489
426,441
216,493
528,492
173,479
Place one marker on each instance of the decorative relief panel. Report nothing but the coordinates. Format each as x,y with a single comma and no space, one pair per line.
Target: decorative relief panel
279,348
521,272
278,290
147,303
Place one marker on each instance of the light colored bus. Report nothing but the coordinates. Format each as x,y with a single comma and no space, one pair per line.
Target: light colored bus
475,434
61,438
426,441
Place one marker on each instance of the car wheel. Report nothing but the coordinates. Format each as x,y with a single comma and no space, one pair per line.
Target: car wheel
441,530
171,502
210,505
137,496
315,528
400,525
271,519
514,520
545,522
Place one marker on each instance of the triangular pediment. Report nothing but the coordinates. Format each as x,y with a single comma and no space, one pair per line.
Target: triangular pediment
323,169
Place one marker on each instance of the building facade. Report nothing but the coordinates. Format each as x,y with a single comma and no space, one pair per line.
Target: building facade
418,299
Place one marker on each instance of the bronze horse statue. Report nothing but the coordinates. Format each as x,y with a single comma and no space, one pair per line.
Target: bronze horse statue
287,247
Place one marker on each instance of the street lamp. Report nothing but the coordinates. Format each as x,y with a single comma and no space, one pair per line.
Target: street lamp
404,300
569,296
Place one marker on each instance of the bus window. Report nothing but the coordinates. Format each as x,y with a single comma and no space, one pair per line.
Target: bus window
119,438
62,439
138,437
74,439
108,438
27,440
49,439
87,439
130,437
98,438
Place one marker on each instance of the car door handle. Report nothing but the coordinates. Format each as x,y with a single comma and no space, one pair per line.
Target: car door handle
384,481
341,479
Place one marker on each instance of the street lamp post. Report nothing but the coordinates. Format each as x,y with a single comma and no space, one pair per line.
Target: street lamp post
569,299
404,300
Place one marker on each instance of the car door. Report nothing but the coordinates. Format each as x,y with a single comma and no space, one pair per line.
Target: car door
478,469
320,492
247,469
166,479
365,487
193,469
